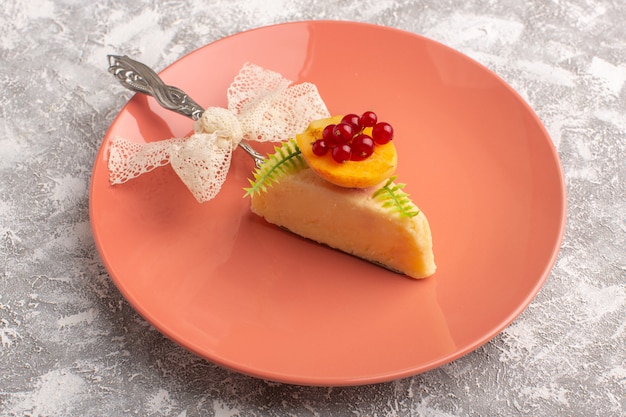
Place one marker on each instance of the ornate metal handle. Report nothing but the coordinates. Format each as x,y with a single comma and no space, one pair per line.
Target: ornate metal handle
140,78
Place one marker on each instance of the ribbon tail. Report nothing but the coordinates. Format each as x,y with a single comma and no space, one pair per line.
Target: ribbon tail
202,163
128,160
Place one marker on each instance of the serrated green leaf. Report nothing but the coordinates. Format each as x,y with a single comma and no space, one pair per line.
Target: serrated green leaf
391,196
285,160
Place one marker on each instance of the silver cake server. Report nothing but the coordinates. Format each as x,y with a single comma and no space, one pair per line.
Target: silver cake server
140,78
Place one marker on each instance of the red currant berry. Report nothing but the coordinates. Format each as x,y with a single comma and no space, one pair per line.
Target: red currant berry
328,136
362,147
382,133
341,153
354,120
368,119
319,147
343,132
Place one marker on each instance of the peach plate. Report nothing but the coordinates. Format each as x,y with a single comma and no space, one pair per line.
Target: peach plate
224,284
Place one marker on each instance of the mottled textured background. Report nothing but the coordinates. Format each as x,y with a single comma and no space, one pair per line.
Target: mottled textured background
70,345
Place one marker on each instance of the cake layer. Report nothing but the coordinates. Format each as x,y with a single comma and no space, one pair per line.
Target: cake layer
350,220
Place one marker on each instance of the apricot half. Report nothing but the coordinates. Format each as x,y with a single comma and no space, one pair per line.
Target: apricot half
353,174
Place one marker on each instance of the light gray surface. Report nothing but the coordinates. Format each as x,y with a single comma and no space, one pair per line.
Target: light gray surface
71,345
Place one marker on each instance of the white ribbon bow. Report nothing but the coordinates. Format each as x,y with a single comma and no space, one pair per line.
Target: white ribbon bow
262,106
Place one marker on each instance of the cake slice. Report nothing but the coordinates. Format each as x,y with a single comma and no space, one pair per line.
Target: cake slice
350,203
